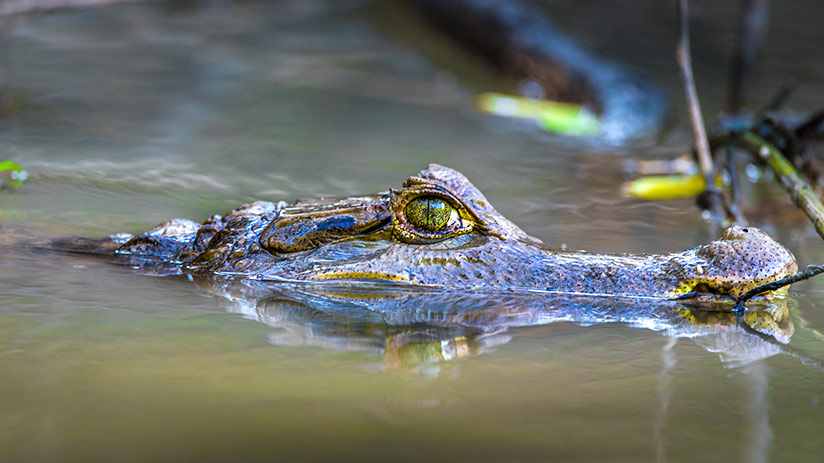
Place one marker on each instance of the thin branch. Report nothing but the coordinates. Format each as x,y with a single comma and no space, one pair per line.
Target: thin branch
785,348
786,137
735,186
811,125
802,195
800,192
809,272
781,96
682,54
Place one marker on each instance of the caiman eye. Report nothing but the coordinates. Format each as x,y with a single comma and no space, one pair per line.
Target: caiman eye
430,213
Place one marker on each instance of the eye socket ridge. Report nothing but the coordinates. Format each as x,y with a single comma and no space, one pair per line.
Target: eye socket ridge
415,222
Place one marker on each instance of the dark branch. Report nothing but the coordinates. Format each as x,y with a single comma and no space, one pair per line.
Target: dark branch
735,186
702,147
809,272
802,195
781,96
811,125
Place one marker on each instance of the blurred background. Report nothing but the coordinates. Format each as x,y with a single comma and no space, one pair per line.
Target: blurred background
125,114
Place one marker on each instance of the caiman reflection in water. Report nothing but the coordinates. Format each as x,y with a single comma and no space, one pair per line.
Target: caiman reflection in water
410,327
437,245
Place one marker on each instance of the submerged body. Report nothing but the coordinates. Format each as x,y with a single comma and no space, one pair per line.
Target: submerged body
439,231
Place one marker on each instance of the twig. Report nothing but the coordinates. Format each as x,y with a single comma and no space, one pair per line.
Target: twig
735,186
785,348
809,272
786,137
781,96
682,55
800,192
802,195
810,126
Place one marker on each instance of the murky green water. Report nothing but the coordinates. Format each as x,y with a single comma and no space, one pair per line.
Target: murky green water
138,113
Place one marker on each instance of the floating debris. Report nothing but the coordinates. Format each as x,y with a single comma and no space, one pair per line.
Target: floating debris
657,187
11,175
552,116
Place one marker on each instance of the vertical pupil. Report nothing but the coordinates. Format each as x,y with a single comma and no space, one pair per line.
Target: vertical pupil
428,212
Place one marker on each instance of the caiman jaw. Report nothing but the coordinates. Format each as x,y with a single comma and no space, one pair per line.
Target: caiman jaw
734,288
722,289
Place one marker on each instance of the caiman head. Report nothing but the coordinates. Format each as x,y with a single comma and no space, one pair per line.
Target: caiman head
438,230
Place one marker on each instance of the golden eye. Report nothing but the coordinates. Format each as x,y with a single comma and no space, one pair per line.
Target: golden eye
430,213
425,212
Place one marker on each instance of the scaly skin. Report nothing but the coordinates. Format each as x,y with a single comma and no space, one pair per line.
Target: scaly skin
371,238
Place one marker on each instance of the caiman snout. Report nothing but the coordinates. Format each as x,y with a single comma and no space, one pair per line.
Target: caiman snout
744,257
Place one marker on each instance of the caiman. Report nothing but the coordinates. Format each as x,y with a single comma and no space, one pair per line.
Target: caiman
437,231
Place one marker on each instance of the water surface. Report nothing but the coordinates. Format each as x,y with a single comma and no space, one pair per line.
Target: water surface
141,112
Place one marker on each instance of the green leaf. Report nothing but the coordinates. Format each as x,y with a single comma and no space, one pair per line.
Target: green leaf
11,175
553,116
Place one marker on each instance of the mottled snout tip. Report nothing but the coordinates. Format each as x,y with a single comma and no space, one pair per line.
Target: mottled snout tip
766,257
760,252
744,257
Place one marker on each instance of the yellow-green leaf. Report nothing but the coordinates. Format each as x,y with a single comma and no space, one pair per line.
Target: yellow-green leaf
11,175
655,187
553,116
